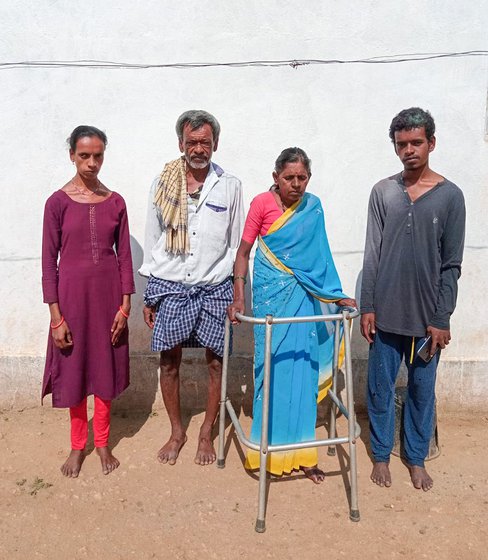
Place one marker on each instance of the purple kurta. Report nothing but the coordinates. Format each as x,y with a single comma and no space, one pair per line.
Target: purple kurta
88,283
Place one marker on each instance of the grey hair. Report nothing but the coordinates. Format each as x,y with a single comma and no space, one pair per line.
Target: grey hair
196,119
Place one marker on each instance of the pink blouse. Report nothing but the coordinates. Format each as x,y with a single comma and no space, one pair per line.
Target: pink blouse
264,211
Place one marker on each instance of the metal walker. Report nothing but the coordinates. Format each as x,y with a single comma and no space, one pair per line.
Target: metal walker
353,428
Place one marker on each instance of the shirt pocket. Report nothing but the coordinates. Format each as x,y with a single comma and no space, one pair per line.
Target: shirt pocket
217,207
216,216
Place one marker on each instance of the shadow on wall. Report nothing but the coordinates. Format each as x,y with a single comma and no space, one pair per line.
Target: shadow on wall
138,400
131,410
140,334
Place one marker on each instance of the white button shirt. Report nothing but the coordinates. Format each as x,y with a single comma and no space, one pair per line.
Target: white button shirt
214,228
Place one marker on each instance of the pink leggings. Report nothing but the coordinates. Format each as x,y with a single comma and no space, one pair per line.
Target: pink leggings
79,424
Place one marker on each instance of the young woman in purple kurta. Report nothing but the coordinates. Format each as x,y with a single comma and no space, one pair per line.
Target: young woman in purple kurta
87,281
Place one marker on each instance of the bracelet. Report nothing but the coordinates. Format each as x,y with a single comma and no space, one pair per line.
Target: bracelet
126,315
240,278
59,324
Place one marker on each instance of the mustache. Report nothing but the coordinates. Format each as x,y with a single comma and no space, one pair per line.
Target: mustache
204,161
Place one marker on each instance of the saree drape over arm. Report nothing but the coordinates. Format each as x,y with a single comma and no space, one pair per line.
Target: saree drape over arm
294,275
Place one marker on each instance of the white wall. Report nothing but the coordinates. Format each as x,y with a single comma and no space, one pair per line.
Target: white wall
338,113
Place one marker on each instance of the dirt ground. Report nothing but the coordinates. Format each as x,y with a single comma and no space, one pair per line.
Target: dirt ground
146,510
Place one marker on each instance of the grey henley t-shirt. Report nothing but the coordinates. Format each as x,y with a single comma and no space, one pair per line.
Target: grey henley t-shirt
413,255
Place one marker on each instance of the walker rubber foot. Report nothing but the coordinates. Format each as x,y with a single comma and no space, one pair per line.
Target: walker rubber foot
220,463
354,515
260,526
331,451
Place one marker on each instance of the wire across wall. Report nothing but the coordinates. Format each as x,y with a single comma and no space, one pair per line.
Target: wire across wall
294,63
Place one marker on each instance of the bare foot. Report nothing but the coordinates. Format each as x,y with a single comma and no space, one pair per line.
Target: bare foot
314,474
171,449
205,452
381,474
71,468
109,462
420,478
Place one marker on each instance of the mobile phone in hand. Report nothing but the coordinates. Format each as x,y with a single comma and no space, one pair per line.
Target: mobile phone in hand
424,349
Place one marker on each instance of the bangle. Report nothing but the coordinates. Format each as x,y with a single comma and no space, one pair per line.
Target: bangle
240,278
126,315
59,324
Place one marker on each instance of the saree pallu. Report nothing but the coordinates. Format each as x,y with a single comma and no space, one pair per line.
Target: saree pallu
294,275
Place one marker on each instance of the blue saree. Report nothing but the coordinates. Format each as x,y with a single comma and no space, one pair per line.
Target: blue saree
294,275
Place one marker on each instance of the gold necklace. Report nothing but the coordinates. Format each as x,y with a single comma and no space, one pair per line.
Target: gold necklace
85,193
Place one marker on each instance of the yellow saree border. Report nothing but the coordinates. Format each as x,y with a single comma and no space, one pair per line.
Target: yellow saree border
272,258
283,462
281,221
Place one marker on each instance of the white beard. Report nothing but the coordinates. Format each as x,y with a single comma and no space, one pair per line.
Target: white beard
194,165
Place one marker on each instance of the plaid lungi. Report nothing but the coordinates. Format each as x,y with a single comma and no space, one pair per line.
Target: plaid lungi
191,316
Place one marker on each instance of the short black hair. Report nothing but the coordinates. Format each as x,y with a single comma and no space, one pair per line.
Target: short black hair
85,130
415,117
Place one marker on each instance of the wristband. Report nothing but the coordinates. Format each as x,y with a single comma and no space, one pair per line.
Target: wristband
240,278
59,324
126,315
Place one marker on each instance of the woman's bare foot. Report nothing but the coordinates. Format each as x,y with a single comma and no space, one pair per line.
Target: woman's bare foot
314,474
71,468
171,449
420,478
381,474
109,462
205,451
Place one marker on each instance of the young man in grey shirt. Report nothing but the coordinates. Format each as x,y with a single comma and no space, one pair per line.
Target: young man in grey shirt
412,262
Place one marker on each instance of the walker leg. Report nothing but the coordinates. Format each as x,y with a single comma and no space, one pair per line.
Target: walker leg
223,397
261,517
263,449
354,515
331,451
354,512
351,423
220,452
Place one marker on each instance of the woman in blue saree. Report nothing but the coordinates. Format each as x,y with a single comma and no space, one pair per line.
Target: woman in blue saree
294,275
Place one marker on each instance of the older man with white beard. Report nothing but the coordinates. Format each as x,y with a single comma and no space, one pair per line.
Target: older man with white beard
194,225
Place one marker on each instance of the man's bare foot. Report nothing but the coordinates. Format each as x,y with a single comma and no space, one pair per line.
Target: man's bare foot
71,468
205,451
109,462
420,478
381,474
314,474
171,449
